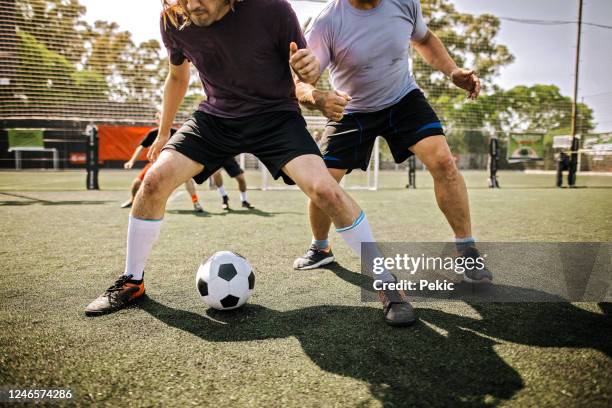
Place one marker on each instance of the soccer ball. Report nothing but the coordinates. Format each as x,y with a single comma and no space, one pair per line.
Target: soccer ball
225,281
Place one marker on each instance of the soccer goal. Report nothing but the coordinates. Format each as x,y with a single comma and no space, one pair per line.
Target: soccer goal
356,180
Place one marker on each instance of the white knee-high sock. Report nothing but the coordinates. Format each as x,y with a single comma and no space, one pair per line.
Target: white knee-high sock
360,232
142,234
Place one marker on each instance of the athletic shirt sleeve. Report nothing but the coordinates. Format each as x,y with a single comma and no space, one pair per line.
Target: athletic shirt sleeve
289,29
317,37
175,54
149,138
420,29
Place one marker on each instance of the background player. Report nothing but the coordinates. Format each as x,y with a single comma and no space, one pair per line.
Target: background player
146,142
232,168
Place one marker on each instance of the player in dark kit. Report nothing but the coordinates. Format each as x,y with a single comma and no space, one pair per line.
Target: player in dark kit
232,168
246,54
146,142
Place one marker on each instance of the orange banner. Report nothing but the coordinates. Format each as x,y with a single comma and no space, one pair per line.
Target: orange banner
119,142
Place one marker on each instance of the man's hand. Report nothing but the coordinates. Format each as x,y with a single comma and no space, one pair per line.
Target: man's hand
304,64
156,147
466,79
128,165
331,103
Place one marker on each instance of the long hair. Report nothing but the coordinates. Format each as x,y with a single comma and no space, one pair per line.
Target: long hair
173,11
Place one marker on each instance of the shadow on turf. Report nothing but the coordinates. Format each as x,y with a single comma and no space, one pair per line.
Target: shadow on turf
445,360
191,212
33,200
254,211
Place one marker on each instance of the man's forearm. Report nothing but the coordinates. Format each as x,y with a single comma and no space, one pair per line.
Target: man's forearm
435,54
174,92
306,94
136,154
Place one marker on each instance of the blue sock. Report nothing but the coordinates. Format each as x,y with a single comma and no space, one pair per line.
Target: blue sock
321,243
463,243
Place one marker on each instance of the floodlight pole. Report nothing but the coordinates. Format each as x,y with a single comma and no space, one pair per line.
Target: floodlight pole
575,140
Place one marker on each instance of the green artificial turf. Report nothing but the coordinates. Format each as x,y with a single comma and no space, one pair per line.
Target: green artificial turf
305,338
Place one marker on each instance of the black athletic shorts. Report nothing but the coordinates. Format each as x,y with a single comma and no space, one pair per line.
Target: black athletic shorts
348,144
232,168
275,138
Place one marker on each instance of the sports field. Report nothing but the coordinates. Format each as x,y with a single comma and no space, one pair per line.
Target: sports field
305,338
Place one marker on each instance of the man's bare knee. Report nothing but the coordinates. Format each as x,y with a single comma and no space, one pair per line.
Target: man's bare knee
154,185
444,168
326,194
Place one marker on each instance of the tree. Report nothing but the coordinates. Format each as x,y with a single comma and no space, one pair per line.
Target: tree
469,39
539,108
57,24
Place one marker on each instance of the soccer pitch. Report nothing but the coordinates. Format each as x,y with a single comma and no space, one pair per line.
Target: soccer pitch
305,338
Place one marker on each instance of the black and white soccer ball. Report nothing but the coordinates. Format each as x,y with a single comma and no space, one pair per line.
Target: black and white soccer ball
225,281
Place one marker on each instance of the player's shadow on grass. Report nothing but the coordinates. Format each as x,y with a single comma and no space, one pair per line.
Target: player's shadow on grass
444,360
403,367
203,214
34,200
258,212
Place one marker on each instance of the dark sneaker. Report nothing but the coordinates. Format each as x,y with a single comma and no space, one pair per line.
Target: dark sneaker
397,311
246,204
118,296
314,258
475,275
197,207
127,204
225,204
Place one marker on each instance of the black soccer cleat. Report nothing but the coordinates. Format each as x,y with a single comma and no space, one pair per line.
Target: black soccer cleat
122,294
397,311
225,203
474,274
314,258
246,204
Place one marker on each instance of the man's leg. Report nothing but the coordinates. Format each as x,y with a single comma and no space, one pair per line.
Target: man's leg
167,173
135,186
319,253
313,178
449,186
320,223
452,197
218,180
191,189
242,186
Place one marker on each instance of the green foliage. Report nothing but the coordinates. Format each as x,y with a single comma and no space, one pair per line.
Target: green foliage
46,77
469,39
62,58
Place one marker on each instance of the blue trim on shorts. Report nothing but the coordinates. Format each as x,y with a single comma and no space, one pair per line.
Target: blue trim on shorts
330,158
356,223
432,125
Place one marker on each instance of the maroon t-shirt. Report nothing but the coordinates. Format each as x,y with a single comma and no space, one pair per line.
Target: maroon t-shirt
243,59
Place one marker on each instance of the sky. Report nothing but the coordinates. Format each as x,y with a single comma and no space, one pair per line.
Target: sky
543,53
